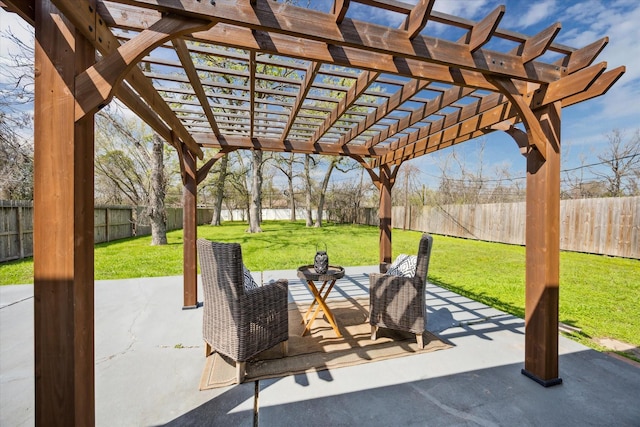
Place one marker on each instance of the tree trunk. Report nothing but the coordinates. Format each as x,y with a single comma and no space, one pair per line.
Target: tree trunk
307,177
256,193
157,212
323,191
358,198
292,196
218,194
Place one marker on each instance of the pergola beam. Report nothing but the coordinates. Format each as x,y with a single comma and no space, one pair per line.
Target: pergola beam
583,57
95,87
537,45
597,88
402,95
24,8
340,8
417,18
252,92
443,100
482,32
209,140
93,27
194,79
364,80
305,87
313,25
295,47
576,83
129,98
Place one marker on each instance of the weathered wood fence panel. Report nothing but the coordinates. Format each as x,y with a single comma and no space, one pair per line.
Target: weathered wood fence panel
608,226
16,230
110,223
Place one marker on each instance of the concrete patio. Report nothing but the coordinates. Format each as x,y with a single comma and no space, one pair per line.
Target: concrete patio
149,358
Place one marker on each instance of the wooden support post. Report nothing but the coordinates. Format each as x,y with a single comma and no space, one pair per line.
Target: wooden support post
543,252
63,227
386,184
189,225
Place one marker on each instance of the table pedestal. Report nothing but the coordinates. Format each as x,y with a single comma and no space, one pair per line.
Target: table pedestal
329,278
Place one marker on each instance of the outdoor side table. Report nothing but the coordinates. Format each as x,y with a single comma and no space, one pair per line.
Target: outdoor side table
308,273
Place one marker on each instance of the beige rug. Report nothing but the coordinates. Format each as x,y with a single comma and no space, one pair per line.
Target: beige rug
321,349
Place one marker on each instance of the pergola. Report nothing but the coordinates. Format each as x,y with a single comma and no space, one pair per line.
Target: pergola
211,77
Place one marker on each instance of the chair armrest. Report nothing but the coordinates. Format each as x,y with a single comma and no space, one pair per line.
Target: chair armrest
271,296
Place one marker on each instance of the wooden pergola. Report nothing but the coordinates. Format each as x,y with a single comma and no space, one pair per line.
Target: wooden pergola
211,77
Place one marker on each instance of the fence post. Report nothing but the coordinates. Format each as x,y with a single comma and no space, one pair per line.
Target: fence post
107,224
20,232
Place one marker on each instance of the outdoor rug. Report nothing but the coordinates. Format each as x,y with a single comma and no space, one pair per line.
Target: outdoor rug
321,349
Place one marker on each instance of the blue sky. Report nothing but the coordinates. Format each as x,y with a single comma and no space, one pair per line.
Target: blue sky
585,125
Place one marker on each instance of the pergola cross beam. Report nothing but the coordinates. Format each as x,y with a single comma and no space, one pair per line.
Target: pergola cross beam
311,25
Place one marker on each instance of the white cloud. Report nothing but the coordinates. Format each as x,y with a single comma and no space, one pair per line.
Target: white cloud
537,13
466,8
618,21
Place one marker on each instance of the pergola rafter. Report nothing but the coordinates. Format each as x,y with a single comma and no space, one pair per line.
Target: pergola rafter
214,77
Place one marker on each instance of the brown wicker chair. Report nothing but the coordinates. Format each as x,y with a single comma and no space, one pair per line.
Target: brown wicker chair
399,302
239,323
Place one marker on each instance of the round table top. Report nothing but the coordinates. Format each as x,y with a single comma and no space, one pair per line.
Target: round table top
307,272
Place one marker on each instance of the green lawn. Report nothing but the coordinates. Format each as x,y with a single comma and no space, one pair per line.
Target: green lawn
598,294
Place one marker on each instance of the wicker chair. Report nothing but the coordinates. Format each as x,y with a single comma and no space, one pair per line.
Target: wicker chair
399,302
239,323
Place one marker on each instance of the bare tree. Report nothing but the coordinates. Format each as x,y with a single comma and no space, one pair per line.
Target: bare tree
157,212
622,159
323,190
16,136
286,166
16,163
308,159
341,164
218,193
408,180
239,190
255,205
344,199
130,166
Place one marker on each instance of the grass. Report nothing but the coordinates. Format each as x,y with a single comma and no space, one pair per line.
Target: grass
598,294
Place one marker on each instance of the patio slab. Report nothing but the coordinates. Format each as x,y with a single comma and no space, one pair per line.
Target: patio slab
149,358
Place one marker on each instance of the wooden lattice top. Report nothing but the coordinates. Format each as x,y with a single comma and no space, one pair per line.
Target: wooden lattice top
267,75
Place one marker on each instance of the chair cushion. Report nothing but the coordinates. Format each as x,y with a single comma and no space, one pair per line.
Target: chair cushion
404,265
248,281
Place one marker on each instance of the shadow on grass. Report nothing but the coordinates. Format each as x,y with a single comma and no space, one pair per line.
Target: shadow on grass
135,239
481,297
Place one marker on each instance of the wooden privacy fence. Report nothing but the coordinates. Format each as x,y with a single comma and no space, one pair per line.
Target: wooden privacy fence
110,223
607,226
16,230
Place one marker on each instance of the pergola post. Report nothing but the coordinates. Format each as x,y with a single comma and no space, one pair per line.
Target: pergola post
63,226
386,184
543,252
190,228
